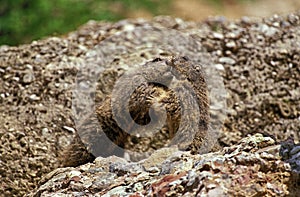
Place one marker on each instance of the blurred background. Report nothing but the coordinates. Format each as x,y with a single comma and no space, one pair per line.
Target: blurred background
22,21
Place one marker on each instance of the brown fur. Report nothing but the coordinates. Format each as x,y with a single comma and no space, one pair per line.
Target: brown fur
146,95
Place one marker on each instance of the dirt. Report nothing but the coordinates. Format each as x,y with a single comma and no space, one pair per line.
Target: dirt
259,61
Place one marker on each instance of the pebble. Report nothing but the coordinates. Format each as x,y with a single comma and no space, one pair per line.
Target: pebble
267,30
218,35
227,60
45,131
34,97
28,77
231,44
219,67
70,129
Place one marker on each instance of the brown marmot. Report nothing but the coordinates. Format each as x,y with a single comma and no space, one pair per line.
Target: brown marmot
155,101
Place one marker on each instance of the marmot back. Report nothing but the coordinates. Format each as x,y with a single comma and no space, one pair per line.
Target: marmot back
148,104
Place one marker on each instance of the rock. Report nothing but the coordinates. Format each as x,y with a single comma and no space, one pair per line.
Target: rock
241,169
260,73
227,60
218,36
290,153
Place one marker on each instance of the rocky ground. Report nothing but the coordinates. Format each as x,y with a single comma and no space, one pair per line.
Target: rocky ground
250,168
259,62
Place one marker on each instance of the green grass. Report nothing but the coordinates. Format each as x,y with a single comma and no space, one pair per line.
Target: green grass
22,21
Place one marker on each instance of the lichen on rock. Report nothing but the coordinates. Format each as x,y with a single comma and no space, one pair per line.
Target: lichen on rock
250,168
